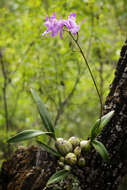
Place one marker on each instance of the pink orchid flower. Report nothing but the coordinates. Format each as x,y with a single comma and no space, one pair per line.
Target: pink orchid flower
55,26
71,23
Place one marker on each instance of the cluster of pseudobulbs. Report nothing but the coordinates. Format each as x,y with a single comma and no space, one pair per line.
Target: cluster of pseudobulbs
71,151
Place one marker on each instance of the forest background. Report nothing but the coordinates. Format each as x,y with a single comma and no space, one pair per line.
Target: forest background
53,66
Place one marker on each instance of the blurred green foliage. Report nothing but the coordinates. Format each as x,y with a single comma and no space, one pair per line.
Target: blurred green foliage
52,65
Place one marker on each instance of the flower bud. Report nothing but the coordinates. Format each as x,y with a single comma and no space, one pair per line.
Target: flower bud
81,161
77,151
74,141
71,159
85,145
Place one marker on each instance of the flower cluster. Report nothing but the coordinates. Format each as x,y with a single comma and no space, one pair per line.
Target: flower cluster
55,26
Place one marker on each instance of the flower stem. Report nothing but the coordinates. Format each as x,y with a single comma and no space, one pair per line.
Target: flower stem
91,74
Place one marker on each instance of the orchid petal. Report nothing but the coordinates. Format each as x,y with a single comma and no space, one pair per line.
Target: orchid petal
72,15
53,16
61,34
46,32
47,18
83,21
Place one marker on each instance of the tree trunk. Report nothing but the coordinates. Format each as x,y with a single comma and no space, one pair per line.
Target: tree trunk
21,172
97,174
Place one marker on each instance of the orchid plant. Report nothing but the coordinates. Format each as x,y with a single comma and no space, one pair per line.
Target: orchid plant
69,152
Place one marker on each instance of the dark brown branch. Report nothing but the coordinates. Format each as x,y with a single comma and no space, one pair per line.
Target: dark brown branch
5,91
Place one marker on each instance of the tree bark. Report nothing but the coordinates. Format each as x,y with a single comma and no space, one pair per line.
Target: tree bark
21,172
97,174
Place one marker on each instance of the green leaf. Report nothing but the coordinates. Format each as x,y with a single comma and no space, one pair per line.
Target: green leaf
43,113
49,149
100,148
58,176
25,135
98,126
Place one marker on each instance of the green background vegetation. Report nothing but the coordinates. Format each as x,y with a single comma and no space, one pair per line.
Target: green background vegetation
52,66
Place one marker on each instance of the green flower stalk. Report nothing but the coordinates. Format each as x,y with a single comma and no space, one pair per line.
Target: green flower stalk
54,26
89,69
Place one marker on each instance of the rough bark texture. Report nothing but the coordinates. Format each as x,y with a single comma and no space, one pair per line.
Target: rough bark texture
21,172
98,175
